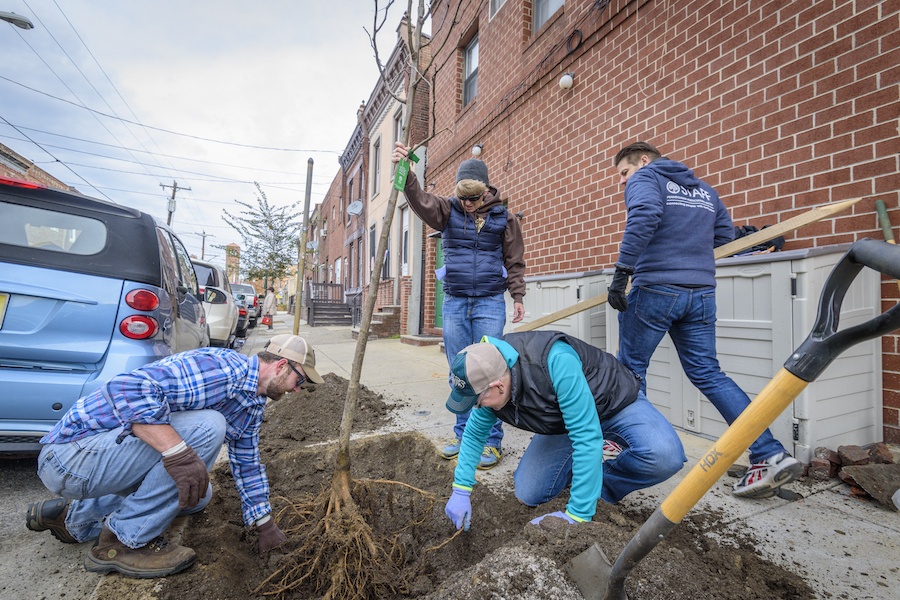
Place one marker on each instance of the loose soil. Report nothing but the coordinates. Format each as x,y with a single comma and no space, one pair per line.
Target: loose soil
502,556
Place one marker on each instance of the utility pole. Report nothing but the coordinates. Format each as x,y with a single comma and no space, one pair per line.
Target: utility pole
301,248
204,235
171,206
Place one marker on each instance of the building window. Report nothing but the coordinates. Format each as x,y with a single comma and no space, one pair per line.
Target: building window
397,133
495,6
376,166
404,242
349,197
544,9
470,69
372,245
386,267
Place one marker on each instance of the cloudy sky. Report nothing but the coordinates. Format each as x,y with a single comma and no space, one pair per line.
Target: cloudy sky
116,98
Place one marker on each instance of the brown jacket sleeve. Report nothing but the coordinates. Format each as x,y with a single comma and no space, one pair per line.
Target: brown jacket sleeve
514,257
433,210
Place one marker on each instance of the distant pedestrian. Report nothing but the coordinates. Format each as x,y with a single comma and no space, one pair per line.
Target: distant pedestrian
133,455
674,221
483,259
270,305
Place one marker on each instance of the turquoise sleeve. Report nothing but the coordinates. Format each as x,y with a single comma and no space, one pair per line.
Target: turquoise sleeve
583,425
478,427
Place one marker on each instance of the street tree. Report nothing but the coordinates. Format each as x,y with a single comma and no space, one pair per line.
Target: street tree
339,554
269,234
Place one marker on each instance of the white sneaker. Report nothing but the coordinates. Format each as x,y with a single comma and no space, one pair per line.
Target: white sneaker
762,479
611,450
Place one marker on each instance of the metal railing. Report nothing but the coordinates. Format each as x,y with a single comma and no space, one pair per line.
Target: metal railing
324,293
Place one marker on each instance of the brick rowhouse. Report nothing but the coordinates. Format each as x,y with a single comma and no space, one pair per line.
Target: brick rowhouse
781,106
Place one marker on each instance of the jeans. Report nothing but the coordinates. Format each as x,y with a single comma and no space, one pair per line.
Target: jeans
689,316
126,484
466,321
651,453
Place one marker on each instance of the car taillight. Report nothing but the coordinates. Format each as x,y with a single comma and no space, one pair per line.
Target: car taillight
142,300
138,327
242,312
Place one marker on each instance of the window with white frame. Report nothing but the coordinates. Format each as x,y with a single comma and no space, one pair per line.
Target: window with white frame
470,71
495,6
404,241
544,9
372,244
376,166
397,133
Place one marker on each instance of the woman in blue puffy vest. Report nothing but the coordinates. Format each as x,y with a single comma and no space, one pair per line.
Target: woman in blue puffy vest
483,258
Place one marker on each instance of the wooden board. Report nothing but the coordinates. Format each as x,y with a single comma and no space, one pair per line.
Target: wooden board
739,245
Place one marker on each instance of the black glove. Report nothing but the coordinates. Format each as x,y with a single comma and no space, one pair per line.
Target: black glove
616,293
190,475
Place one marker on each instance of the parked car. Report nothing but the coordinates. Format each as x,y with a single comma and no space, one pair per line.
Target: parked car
243,315
88,289
254,306
221,310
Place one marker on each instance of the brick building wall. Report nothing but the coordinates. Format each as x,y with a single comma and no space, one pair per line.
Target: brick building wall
781,106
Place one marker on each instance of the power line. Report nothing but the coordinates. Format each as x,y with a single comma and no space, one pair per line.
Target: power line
187,135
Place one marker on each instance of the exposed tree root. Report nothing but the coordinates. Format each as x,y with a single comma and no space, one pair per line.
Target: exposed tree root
356,540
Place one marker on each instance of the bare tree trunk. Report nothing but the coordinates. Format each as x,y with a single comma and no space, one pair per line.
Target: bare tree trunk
350,404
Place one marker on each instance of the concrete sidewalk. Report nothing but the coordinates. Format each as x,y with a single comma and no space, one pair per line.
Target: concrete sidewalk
842,546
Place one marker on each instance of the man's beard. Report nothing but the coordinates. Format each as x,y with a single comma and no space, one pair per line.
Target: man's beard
277,388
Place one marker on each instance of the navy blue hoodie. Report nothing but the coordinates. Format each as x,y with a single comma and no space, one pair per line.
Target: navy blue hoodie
674,222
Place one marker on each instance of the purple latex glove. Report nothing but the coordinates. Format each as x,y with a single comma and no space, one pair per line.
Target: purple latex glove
459,508
558,514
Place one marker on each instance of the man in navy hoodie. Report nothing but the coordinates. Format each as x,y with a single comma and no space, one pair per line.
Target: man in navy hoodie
674,221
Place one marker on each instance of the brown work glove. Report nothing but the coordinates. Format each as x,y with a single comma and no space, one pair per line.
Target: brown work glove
270,536
190,475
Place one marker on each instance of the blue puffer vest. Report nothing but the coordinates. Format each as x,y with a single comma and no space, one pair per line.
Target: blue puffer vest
474,259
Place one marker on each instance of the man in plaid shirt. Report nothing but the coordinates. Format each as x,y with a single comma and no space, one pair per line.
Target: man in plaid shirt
133,455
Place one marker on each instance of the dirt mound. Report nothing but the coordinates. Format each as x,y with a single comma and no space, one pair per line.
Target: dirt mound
500,557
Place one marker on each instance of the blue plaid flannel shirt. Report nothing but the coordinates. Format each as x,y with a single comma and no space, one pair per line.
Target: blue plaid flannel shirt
206,378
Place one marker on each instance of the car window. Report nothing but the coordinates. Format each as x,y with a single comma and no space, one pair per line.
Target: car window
185,267
169,264
205,275
32,227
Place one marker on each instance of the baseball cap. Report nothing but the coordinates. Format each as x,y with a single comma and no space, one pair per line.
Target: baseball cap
295,348
472,371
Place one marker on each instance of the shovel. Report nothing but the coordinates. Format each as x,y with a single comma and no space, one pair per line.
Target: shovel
591,570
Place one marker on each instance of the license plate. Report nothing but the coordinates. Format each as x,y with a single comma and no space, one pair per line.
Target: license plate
4,300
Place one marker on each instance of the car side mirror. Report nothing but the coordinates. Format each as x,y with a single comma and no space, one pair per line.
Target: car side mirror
215,296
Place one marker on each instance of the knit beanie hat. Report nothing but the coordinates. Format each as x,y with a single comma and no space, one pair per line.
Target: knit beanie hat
473,169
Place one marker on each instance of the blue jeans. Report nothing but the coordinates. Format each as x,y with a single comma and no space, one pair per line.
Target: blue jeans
466,321
126,484
689,316
651,453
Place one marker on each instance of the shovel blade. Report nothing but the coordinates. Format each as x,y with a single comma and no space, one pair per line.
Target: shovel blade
591,572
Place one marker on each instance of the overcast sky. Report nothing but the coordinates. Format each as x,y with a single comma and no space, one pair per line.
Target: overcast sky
278,81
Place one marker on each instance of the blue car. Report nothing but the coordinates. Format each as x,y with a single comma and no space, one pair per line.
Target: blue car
88,289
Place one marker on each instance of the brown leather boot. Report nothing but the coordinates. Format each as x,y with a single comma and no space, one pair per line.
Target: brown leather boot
159,558
50,515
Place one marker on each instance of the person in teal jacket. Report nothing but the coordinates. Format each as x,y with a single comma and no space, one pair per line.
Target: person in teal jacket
571,395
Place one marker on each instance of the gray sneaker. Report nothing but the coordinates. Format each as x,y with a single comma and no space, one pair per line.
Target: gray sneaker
451,450
764,478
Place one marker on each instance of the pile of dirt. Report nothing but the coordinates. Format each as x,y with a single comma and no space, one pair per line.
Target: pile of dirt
502,556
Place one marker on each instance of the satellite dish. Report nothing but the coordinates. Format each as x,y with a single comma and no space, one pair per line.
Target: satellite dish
354,208
312,245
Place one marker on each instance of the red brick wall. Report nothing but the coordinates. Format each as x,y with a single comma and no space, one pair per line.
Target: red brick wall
781,106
